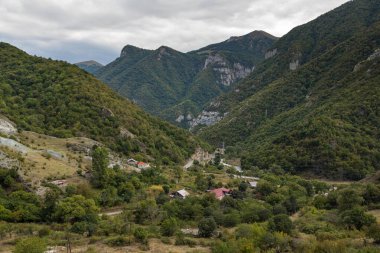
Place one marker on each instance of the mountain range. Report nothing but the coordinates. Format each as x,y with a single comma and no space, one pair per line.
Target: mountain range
174,85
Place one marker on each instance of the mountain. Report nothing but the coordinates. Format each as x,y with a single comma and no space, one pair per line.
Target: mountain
59,99
89,66
312,106
175,85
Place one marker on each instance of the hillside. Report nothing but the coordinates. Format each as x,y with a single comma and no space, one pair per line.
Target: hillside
59,99
89,66
316,113
174,85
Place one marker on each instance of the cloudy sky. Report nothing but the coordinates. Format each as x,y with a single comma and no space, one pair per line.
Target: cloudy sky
77,30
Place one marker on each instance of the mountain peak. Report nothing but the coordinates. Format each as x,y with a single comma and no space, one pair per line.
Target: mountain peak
90,62
90,66
130,49
257,34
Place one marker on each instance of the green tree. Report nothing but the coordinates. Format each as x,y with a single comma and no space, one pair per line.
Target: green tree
109,197
79,211
146,211
217,159
169,227
141,235
348,199
281,223
356,218
206,227
30,245
100,163
265,188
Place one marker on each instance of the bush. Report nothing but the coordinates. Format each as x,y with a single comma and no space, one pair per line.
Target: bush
43,232
231,220
141,235
374,233
356,218
181,240
169,227
281,223
30,245
118,241
206,227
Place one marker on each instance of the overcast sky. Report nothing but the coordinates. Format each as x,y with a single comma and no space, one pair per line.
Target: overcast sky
78,30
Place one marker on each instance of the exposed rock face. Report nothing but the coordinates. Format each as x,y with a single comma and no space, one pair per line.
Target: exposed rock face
213,59
7,127
294,65
125,133
7,162
13,145
270,54
373,56
227,74
54,154
107,113
205,118
180,118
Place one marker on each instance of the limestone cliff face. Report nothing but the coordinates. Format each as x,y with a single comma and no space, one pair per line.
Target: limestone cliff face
270,53
7,127
206,118
228,72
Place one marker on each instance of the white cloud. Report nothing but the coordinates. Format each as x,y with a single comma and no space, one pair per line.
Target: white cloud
76,30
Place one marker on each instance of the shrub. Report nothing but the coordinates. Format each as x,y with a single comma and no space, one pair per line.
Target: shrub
281,223
169,227
206,227
141,235
30,245
118,241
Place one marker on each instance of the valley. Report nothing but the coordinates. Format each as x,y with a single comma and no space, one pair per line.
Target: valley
256,144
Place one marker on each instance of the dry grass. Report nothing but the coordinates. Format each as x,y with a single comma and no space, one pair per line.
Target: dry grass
155,246
41,166
376,213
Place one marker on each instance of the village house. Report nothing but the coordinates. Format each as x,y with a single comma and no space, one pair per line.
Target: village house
132,162
220,193
253,184
142,165
181,194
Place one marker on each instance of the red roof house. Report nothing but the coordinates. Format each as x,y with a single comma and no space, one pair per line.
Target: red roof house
220,192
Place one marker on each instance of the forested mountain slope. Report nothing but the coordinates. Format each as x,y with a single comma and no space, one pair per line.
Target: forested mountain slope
175,85
323,116
89,66
59,99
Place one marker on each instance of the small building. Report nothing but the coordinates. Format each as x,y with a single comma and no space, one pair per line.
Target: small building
253,184
181,194
59,183
142,165
220,193
132,162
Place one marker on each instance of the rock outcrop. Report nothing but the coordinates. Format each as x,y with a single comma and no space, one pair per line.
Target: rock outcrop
7,127
270,54
207,118
373,56
228,72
